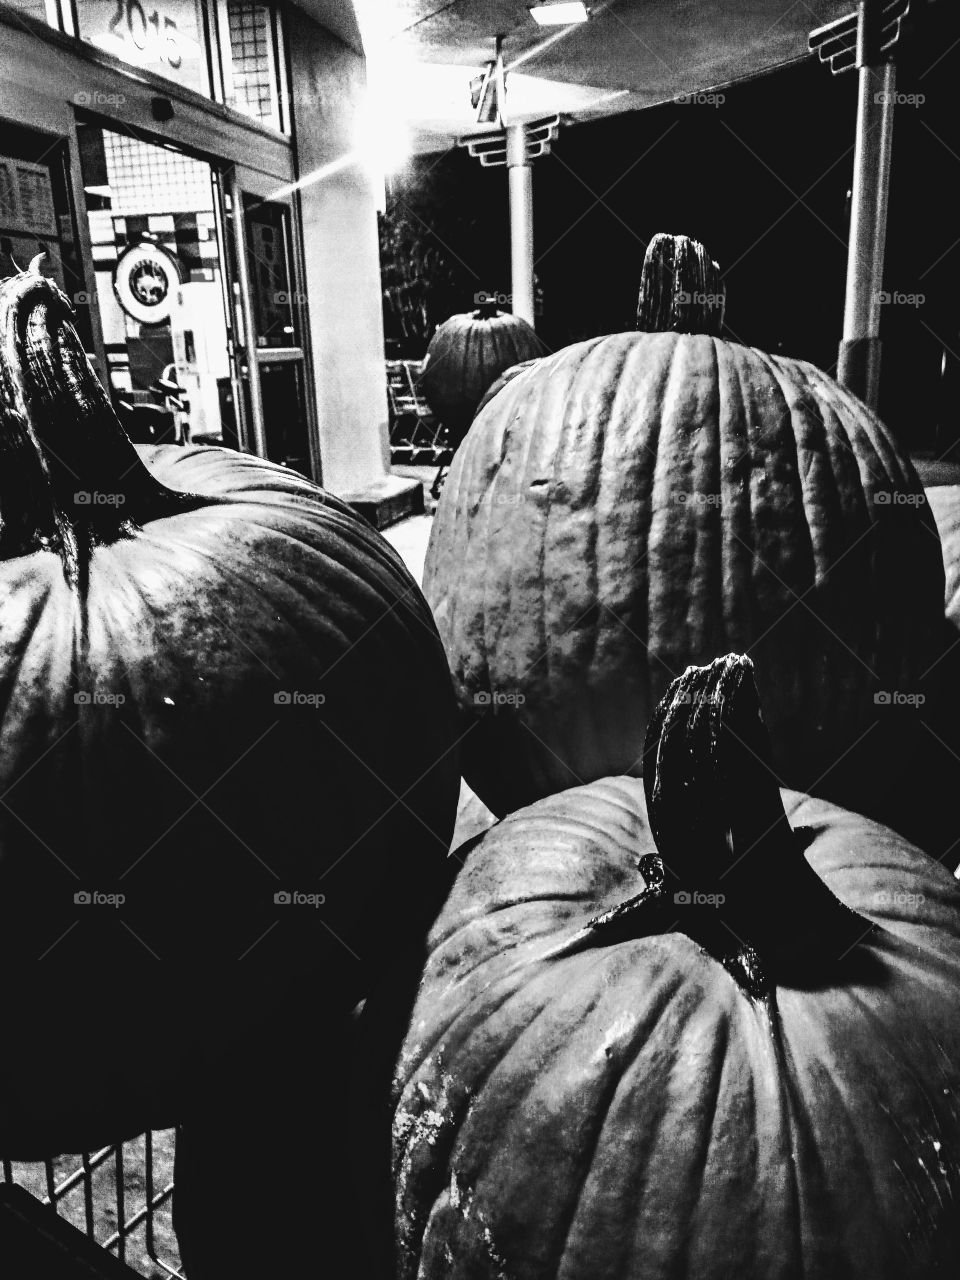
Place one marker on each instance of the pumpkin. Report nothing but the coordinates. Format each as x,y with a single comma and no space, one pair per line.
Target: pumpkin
666,1030
227,753
640,501
945,504
508,375
680,288
466,355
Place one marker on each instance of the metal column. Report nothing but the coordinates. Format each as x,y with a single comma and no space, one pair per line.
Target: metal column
257,430
520,178
859,363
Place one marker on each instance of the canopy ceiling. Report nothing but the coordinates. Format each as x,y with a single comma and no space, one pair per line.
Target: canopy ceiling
630,54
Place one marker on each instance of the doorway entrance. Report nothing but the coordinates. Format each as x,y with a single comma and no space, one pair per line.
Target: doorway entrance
155,231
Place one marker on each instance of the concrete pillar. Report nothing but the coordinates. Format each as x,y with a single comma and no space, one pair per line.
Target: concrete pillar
342,271
520,178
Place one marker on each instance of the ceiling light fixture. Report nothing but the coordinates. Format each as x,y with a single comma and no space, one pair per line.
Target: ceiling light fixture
560,13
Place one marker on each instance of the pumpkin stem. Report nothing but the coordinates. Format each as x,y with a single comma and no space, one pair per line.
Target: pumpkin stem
737,879
487,308
69,477
680,288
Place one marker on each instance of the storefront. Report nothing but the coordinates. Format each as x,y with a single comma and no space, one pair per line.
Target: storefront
152,152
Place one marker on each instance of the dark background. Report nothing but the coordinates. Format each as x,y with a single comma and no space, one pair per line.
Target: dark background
762,179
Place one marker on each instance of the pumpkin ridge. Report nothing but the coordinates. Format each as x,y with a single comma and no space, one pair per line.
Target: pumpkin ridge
935,1119
384,559
790,1129
718,1067
643,498
341,565
452,1117
251,583
647,586
744,613
827,1080
493,1003
777,595
617,1075
12,674
614,1074
704,608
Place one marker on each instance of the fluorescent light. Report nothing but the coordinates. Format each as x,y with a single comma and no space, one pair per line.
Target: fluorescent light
563,13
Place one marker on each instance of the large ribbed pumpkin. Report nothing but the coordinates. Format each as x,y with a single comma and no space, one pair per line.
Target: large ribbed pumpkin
944,502
637,502
227,750
679,1037
466,355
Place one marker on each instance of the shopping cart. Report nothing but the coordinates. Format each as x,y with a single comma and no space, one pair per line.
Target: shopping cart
417,438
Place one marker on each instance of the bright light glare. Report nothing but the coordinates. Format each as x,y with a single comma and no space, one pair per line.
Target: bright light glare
381,138
561,14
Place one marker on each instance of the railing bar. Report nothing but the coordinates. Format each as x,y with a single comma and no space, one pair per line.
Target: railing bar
95,1161
121,1208
87,1172
148,1184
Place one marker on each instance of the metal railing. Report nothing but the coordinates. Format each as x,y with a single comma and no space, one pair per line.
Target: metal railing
117,1196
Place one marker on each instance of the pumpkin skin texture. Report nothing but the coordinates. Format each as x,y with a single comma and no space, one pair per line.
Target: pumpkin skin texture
164,738
945,504
466,355
641,501
623,1109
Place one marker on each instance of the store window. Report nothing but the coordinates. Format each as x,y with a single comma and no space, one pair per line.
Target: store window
251,43
36,216
167,37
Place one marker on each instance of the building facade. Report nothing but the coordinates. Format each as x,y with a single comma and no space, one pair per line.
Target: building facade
189,170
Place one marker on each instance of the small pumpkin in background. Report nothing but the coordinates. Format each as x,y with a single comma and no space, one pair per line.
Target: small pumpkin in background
506,377
666,1029
227,756
466,355
641,501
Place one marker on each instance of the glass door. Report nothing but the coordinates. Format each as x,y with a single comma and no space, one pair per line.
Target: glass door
161,287
276,345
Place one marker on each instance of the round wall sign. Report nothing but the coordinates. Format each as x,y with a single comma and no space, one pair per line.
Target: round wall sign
144,280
